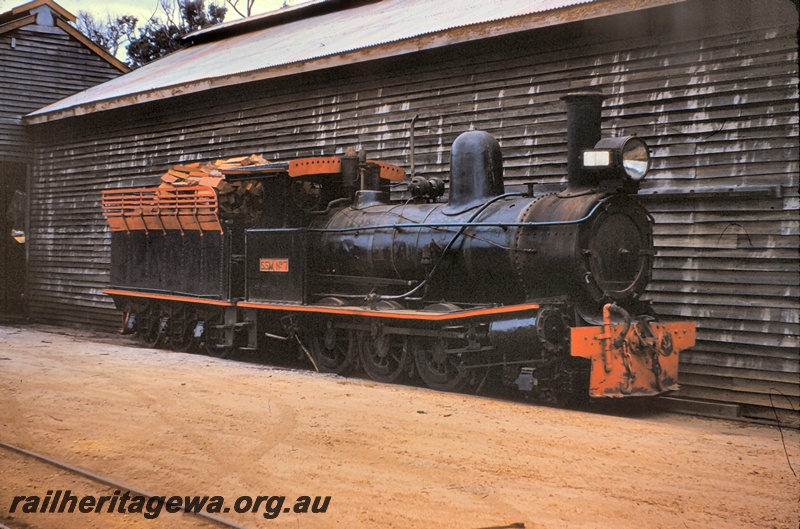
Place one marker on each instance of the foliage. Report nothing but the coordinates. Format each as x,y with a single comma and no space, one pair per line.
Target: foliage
247,9
109,34
158,38
160,35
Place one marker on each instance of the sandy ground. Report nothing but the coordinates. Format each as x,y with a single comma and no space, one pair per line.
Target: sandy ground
388,456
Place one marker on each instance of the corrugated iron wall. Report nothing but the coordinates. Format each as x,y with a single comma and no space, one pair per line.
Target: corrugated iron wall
712,89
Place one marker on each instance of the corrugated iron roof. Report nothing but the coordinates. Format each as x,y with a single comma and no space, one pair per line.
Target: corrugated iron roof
345,36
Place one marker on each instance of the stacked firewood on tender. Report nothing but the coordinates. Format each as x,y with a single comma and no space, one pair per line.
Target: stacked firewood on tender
239,201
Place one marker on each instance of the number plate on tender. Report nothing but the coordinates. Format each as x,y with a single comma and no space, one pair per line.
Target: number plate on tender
273,265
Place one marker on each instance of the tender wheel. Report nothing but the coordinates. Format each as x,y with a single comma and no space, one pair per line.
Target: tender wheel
149,327
439,370
181,325
333,350
385,357
181,337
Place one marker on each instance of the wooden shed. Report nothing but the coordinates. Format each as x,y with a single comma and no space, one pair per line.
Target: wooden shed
42,59
712,86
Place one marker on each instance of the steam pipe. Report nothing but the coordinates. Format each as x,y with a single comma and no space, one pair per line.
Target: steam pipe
411,145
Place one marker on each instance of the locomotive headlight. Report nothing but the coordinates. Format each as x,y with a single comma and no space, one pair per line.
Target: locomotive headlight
626,157
635,158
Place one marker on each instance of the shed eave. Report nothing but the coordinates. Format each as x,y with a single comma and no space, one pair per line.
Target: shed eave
27,7
421,42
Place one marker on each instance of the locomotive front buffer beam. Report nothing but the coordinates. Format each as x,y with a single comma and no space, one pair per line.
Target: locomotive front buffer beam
635,358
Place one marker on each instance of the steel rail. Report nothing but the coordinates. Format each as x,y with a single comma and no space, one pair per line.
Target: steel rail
106,481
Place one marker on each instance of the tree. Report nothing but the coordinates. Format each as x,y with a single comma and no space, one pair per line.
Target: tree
248,7
108,34
158,38
161,34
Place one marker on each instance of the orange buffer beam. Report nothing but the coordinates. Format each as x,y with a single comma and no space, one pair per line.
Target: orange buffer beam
646,363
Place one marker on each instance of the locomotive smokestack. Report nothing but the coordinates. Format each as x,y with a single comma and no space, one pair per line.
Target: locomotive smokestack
583,132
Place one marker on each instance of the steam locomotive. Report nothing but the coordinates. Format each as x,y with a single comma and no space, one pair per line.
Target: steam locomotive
540,293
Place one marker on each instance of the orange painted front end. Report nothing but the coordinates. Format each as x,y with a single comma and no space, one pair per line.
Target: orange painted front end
644,363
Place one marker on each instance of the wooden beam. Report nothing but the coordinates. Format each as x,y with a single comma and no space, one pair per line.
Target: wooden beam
83,39
11,26
49,3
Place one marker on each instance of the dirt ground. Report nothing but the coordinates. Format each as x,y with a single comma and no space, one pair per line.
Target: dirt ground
388,456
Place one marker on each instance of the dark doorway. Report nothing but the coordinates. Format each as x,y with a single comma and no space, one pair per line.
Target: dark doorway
12,238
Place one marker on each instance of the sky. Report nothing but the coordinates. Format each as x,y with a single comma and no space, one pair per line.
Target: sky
144,9
141,9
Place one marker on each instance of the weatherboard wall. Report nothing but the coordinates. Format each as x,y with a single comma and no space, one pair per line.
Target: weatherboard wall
711,88
40,65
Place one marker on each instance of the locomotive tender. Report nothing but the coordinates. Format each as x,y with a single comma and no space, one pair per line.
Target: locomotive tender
537,292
